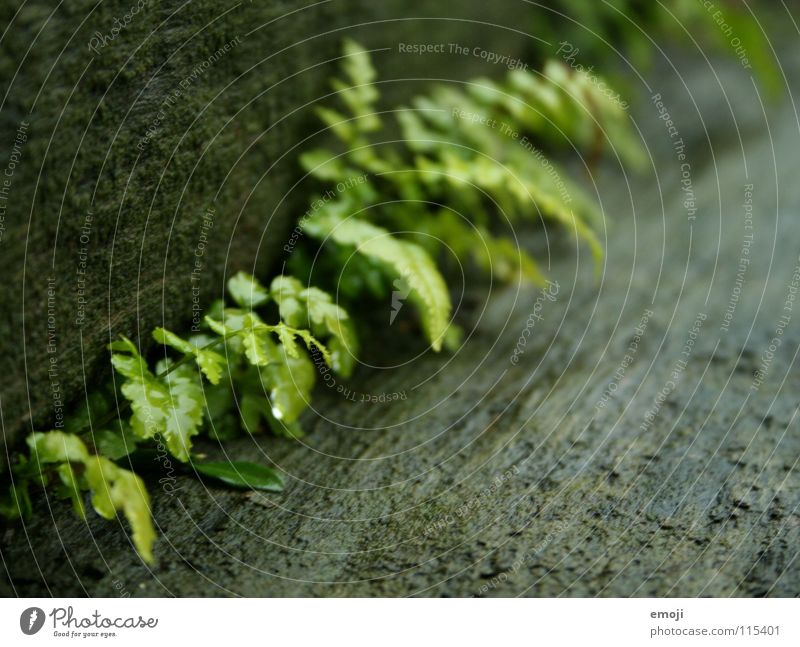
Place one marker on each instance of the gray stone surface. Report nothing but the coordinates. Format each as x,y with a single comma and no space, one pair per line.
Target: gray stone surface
499,479
126,147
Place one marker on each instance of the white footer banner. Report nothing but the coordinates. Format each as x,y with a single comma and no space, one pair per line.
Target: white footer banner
384,622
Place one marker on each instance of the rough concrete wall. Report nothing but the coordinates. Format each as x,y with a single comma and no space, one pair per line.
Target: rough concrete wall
142,134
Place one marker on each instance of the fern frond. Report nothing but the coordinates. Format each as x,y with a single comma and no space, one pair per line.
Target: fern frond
407,260
113,489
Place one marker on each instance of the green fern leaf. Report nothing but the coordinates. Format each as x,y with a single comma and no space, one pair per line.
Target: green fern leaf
246,291
183,412
171,405
113,489
168,338
286,335
407,260
211,363
290,383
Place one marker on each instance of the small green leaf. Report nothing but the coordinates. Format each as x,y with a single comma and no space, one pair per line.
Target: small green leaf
168,338
321,309
124,345
408,260
323,165
358,92
183,412
312,342
286,335
114,444
292,312
18,502
246,290
285,290
56,447
219,327
356,63
285,286
251,410
70,481
341,126
256,346
172,404
115,489
241,474
290,383
211,363
147,398
131,366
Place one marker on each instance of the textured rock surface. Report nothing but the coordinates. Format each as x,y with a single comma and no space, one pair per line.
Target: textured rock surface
143,134
188,106
497,479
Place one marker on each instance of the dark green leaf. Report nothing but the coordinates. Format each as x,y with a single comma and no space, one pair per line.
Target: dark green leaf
241,474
